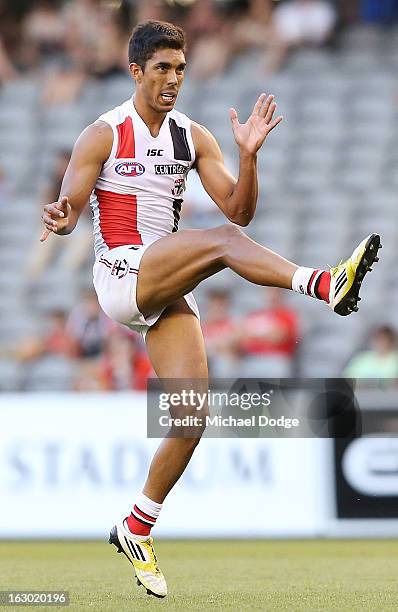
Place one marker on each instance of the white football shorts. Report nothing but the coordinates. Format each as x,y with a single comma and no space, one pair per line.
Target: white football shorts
115,276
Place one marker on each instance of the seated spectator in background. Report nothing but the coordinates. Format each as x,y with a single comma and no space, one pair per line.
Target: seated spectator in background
125,364
96,41
380,360
81,23
224,30
219,331
301,22
88,326
269,338
70,255
110,49
297,23
54,341
152,9
44,27
122,366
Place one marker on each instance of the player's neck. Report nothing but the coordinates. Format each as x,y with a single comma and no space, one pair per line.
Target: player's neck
150,117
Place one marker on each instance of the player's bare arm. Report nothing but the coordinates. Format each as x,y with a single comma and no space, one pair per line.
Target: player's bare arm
236,198
91,150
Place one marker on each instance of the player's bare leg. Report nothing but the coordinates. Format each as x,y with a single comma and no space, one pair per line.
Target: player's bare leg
176,348
176,264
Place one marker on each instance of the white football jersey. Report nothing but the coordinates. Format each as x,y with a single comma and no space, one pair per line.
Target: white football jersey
139,193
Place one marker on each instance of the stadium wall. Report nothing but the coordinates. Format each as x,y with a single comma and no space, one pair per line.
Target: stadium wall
73,463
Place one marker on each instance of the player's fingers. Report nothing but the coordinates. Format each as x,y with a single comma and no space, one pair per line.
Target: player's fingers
49,222
45,235
266,106
270,113
234,116
63,204
274,123
54,209
258,104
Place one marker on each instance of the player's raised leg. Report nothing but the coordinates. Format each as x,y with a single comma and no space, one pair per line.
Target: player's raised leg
176,264
176,348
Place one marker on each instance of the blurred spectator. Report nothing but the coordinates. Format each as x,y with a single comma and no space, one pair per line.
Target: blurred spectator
110,49
81,21
69,253
296,23
224,30
300,22
44,28
125,364
269,337
210,44
54,341
96,48
219,331
88,325
122,366
380,360
7,70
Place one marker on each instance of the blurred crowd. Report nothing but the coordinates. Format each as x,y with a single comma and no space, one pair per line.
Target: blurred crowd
264,342
66,42
101,355
107,356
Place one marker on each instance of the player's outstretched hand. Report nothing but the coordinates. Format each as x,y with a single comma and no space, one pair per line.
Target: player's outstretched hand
55,217
250,136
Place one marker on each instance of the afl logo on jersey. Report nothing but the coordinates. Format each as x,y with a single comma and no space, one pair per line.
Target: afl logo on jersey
130,169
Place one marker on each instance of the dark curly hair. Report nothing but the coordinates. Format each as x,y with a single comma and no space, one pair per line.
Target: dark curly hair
149,36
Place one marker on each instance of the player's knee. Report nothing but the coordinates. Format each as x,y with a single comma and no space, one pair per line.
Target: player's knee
189,423
227,234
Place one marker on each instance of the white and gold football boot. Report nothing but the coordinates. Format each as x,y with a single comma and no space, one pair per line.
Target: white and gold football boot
346,278
141,554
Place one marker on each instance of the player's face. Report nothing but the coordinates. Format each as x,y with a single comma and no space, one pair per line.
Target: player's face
161,80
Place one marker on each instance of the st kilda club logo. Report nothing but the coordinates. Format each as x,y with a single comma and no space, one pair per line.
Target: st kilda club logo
120,268
179,187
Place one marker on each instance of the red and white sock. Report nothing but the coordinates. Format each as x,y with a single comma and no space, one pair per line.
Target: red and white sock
143,516
312,282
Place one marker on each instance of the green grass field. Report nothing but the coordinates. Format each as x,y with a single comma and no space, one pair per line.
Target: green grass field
218,575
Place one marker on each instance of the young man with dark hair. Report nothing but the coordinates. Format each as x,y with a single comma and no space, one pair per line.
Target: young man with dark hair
132,164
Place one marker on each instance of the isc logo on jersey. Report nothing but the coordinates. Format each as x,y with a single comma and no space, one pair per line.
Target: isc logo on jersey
130,169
